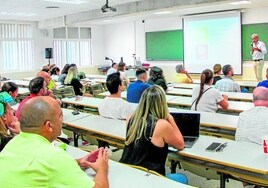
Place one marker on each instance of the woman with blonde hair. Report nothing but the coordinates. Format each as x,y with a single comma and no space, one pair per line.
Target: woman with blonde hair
9,124
71,79
206,98
121,69
149,132
217,72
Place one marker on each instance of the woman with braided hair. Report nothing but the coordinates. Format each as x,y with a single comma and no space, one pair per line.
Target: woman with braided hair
206,98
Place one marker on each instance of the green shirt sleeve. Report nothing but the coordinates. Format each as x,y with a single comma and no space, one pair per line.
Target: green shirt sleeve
67,173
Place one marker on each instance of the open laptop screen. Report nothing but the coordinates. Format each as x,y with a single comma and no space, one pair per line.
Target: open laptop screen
188,123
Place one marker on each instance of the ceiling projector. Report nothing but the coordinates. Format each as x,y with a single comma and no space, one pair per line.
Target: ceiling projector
107,8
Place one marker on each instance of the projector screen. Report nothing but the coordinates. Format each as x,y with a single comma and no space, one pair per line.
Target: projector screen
210,39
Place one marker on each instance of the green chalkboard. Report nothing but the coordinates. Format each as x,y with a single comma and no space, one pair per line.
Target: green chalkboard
164,45
247,30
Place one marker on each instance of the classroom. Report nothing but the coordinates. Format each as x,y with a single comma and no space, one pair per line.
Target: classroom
93,35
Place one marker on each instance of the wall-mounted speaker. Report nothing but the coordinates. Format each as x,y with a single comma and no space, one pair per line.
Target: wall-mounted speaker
49,53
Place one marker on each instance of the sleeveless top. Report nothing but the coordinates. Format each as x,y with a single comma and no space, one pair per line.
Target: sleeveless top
144,153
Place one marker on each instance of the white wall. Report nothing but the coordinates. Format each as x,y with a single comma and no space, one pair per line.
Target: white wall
119,41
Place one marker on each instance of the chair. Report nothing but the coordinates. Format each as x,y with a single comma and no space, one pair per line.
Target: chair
64,91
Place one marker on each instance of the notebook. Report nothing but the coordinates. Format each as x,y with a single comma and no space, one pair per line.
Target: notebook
189,124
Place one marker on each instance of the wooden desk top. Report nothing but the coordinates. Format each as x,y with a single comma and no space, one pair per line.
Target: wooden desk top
241,155
112,128
235,106
216,120
121,175
68,117
90,102
231,95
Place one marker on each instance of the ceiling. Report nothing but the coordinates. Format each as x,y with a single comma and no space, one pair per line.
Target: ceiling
88,12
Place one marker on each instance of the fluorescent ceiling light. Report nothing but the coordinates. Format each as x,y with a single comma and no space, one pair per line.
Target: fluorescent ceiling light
240,2
17,14
107,20
162,12
68,1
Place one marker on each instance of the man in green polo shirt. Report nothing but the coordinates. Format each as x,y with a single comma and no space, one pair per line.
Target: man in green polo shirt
30,160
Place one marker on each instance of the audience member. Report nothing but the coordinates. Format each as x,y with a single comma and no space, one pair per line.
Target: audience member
264,83
112,69
121,68
182,76
32,161
149,132
157,77
114,106
64,73
37,87
217,72
206,98
253,123
227,84
55,72
9,124
71,79
11,88
135,90
50,83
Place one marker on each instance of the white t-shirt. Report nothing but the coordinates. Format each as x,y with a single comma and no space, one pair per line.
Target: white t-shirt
111,71
115,108
252,125
209,100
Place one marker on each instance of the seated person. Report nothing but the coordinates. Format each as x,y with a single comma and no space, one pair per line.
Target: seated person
182,76
227,84
157,77
149,132
64,73
135,90
264,83
206,98
71,79
253,123
113,106
12,89
121,69
112,69
31,159
9,124
217,72
50,83
55,72
37,87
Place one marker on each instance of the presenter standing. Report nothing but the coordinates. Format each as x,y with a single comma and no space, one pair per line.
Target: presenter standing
258,49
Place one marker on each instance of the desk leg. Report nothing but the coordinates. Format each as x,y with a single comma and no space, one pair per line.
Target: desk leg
76,136
222,180
173,166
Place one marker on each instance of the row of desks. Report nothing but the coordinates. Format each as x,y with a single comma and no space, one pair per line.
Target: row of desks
229,162
121,175
182,101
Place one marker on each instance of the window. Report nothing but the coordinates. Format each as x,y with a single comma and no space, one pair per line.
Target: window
16,52
72,45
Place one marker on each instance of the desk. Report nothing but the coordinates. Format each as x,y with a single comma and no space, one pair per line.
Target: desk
105,129
19,83
120,175
234,106
231,95
124,95
90,102
213,124
68,117
28,78
240,159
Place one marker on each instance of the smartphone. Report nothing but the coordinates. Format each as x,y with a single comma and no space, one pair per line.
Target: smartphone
213,146
75,112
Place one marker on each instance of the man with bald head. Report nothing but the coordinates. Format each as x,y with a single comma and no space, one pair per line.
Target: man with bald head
253,123
30,160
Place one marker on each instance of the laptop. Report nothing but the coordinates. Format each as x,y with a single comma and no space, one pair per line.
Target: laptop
189,124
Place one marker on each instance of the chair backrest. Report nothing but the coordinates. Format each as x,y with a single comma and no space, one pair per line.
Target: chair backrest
65,91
